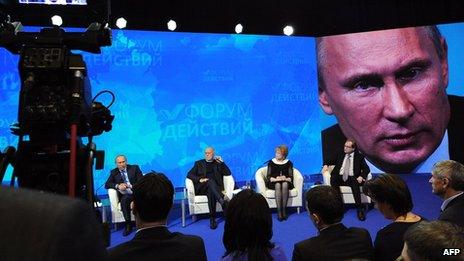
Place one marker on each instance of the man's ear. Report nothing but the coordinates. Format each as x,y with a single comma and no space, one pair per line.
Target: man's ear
446,182
324,102
315,218
133,208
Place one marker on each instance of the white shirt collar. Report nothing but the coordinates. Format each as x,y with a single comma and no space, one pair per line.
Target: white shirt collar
441,153
448,200
279,162
143,228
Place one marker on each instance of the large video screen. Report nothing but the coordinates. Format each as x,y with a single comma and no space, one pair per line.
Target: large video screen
396,93
177,93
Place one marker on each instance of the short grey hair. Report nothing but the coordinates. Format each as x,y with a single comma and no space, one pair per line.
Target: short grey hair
452,170
209,147
120,155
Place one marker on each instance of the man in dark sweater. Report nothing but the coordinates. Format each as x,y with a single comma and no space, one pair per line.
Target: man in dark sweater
335,241
207,177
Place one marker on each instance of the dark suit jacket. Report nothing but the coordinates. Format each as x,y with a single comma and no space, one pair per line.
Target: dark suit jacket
454,211
115,178
336,243
360,167
199,171
333,137
41,226
160,244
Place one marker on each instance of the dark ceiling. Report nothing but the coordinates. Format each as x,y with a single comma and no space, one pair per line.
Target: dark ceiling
310,17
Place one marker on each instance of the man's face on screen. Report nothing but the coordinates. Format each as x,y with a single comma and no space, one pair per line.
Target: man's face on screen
387,90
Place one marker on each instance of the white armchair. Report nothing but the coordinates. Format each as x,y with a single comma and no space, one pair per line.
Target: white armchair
345,190
115,205
198,204
295,194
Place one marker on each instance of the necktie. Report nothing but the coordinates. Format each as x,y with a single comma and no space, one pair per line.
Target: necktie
124,176
346,169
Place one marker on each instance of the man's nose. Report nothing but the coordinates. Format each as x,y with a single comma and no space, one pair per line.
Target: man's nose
397,106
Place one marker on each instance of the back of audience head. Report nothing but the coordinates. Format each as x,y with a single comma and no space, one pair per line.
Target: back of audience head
391,195
153,198
248,226
325,205
427,241
450,175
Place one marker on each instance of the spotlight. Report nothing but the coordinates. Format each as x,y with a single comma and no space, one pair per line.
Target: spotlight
57,20
121,23
172,25
239,28
288,30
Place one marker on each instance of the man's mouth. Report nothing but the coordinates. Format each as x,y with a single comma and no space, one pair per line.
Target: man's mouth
401,139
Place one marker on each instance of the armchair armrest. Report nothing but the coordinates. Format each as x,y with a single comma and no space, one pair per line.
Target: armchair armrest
229,184
326,174
260,180
114,200
297,179
190,190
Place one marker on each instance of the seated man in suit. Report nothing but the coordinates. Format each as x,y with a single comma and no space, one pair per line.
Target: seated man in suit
153,199
335,241
42,226
350,170
430,240
122,178
207,176
448,183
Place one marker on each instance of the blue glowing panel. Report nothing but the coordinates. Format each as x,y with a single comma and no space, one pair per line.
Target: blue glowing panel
177,93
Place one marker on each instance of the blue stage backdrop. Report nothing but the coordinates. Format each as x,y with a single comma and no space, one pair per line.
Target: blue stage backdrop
180,92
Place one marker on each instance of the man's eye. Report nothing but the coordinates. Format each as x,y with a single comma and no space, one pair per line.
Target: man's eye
409,74
367,84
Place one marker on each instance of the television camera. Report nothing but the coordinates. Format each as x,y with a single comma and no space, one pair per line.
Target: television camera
56,109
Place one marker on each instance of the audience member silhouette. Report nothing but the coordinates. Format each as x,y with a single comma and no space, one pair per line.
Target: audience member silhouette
41,226
335,241
393,199
248,229
153,199
433,241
